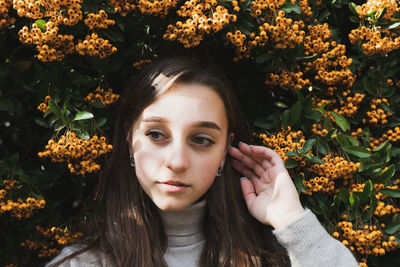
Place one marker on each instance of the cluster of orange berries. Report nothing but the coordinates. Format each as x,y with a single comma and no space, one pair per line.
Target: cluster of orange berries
334,168
156,8
318,130
391,134
366,241
350,105
98,21
327,102
382,209
319,184
332,65
305,9
288,79
123,7
336,77
103,96
286,33
284,141
356,133
238,39
316,40
50,45
53,236
377,115
78,153
378,41
141,63
5,19
67,12
191,32
378,5
43,107
258,6
20,209
95,46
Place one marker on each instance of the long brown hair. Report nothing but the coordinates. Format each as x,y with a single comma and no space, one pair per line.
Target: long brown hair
128,227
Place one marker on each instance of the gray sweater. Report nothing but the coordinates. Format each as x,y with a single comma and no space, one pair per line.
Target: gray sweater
306,241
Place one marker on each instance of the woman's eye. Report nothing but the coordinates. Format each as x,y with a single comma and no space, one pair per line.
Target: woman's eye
203,141
154,135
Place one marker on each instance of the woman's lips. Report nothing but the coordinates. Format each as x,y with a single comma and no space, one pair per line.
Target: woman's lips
173,186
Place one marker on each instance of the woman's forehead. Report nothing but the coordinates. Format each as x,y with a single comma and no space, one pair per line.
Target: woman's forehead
188,102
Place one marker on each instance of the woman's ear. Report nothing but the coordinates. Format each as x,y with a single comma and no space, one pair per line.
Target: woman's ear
229,141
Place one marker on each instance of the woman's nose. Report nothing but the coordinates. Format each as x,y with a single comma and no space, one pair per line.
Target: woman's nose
178,159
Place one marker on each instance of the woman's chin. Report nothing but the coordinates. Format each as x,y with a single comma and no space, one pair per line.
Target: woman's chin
174,205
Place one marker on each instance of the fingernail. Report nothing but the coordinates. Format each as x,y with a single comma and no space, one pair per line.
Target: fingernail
240,142
242,178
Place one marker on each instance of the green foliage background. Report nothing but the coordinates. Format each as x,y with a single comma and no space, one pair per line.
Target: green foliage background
24,131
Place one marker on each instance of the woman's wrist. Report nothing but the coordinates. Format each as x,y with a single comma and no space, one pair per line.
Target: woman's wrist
288,218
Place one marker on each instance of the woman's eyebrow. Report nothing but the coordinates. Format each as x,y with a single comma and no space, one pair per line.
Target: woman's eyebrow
200,124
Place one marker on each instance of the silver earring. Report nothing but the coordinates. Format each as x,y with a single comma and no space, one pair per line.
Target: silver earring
219,171
132,160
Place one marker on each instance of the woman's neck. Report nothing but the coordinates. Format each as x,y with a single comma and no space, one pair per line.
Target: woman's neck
185,227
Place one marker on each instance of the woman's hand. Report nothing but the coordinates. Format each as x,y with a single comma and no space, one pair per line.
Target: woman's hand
269,192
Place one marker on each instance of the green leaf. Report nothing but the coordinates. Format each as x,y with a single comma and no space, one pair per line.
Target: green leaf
341,121
41,24
289,8
344,195
353,8
83,115
295,113
351,200
54,108
298,181
357,151
316,160
308,145
98,105
383,12
376,149
290,163
335,204
393,226
394,25
101,122
42,123
367,191
325,210
387,175
390,192
285,118
354,19
292,154
83,134
307,58
371,169
323,147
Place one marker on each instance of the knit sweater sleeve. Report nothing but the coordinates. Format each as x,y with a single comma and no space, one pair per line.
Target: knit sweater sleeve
309,244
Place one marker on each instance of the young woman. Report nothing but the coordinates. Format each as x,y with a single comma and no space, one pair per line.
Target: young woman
184,188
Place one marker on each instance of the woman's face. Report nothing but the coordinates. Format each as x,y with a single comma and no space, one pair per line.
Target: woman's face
178,143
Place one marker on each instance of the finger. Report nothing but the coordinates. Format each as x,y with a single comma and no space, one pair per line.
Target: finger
250,163
268,153
248,191
260,158
243,170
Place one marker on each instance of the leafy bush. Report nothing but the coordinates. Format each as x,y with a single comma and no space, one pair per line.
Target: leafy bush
319,81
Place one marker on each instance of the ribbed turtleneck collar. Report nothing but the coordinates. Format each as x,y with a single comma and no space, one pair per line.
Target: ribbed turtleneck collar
185,227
